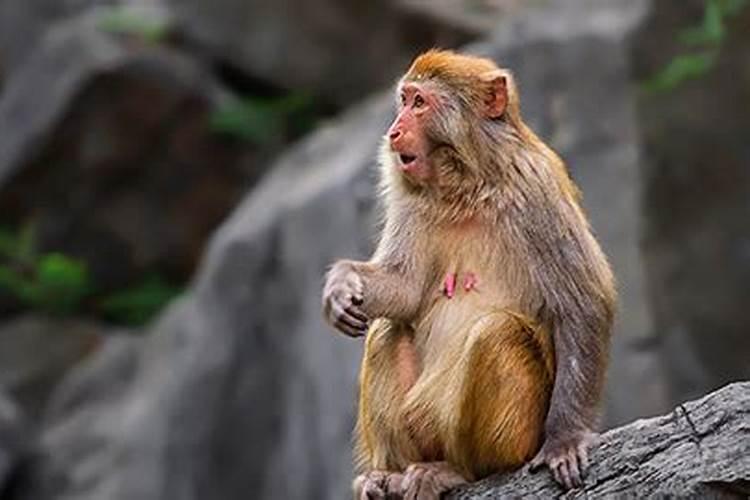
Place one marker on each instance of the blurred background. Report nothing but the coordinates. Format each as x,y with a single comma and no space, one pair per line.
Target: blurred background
175,176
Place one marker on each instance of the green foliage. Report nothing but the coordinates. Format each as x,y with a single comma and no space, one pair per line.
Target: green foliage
137,305
52,282
60,285
711,31
124,20
706,38
682,68
260,120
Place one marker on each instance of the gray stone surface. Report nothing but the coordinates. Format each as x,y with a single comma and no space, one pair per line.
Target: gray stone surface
107,144
240,388
701,450
240,385
24,24
37,351
338,49
14,439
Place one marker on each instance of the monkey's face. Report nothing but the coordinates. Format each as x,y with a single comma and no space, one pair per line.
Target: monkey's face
407,136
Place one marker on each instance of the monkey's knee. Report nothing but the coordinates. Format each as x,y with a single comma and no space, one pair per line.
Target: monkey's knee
506,396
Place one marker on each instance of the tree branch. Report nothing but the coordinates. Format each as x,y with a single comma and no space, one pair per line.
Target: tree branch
699,451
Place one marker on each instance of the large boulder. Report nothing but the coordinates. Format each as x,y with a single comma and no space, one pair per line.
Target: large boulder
240,387
241,390
697,201
107,149
24,24
337,49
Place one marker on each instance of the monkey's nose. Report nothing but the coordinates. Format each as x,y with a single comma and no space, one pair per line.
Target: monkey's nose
393,135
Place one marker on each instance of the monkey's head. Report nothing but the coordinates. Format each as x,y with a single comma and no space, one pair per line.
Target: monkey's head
448,106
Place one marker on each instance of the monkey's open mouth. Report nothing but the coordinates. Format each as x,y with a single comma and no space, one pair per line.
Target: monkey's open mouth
406,159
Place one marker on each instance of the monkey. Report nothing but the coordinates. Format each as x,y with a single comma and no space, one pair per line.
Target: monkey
487,305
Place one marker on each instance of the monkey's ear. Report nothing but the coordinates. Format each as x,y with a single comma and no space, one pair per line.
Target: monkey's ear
497,99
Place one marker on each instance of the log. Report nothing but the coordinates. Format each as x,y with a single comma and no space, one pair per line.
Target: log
701,450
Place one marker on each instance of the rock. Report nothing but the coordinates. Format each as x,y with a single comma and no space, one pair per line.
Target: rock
84,405
24,24
14,440
482,17
241,389
107,149
697,201
37,351
337,49
240,382
701,450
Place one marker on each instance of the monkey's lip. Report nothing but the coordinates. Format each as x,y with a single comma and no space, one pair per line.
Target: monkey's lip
406,159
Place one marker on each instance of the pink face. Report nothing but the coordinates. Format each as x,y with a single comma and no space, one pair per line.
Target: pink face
406,135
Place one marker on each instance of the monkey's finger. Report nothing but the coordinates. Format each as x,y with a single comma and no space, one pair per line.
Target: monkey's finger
575,473
563,473
355,323
411,481
394,484
557,473
537,462
357,313
343,325
349,330
342,315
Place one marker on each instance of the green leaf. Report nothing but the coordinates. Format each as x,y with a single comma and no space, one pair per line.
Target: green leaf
60,284
249,120
711,32
126,21
680,69
713,21
258,120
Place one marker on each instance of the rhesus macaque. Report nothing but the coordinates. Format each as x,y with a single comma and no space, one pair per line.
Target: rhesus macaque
488,303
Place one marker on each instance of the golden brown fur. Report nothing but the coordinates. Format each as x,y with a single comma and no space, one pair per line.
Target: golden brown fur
482,379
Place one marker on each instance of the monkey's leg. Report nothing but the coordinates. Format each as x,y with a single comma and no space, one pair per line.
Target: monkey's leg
508,377
383,446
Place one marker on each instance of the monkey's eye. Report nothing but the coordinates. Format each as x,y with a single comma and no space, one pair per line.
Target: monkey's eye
418,101
403,100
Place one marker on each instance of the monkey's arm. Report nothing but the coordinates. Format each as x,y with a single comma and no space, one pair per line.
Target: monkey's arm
579,295
389,285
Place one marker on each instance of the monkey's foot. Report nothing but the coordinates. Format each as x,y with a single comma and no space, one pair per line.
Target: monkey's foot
427,481
378,485
567,458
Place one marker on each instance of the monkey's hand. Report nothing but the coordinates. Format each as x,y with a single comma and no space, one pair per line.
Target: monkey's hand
342,299
567,457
